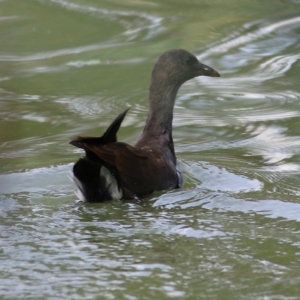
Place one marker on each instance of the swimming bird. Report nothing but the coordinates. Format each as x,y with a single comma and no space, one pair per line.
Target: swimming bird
116,170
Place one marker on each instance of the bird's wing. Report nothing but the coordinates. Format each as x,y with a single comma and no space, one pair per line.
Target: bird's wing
132,165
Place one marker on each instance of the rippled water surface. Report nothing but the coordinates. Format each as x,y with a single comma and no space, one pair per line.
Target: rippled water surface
69,67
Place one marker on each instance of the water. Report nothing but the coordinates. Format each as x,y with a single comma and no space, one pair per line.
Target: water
69,67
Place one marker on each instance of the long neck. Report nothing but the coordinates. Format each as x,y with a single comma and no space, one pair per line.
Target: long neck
160,115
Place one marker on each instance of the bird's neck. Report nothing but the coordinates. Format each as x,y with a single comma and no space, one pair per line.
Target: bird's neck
160,115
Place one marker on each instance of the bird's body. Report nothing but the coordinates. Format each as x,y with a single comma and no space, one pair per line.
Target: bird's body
112,169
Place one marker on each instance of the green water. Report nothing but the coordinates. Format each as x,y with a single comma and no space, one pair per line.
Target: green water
69,67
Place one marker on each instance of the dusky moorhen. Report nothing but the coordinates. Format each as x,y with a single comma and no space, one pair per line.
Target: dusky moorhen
116,170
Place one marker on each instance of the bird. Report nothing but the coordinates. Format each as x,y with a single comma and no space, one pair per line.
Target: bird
116,170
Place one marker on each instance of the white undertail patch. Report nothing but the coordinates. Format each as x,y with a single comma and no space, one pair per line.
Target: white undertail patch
111,184
78,191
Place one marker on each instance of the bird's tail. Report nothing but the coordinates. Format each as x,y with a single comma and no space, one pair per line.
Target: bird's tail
95,183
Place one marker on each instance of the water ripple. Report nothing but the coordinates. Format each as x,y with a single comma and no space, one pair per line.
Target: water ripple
133,29
238,39
61,52
135,24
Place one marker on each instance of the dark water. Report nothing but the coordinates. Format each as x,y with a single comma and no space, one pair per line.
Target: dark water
233,231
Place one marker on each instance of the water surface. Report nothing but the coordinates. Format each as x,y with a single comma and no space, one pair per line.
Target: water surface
69,67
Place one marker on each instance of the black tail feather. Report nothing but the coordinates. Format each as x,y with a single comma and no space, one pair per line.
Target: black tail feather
109,136
87,170
92,186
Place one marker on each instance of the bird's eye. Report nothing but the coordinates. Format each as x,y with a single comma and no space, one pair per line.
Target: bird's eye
189,60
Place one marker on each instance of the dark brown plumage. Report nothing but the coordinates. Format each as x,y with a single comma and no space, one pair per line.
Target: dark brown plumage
112,169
